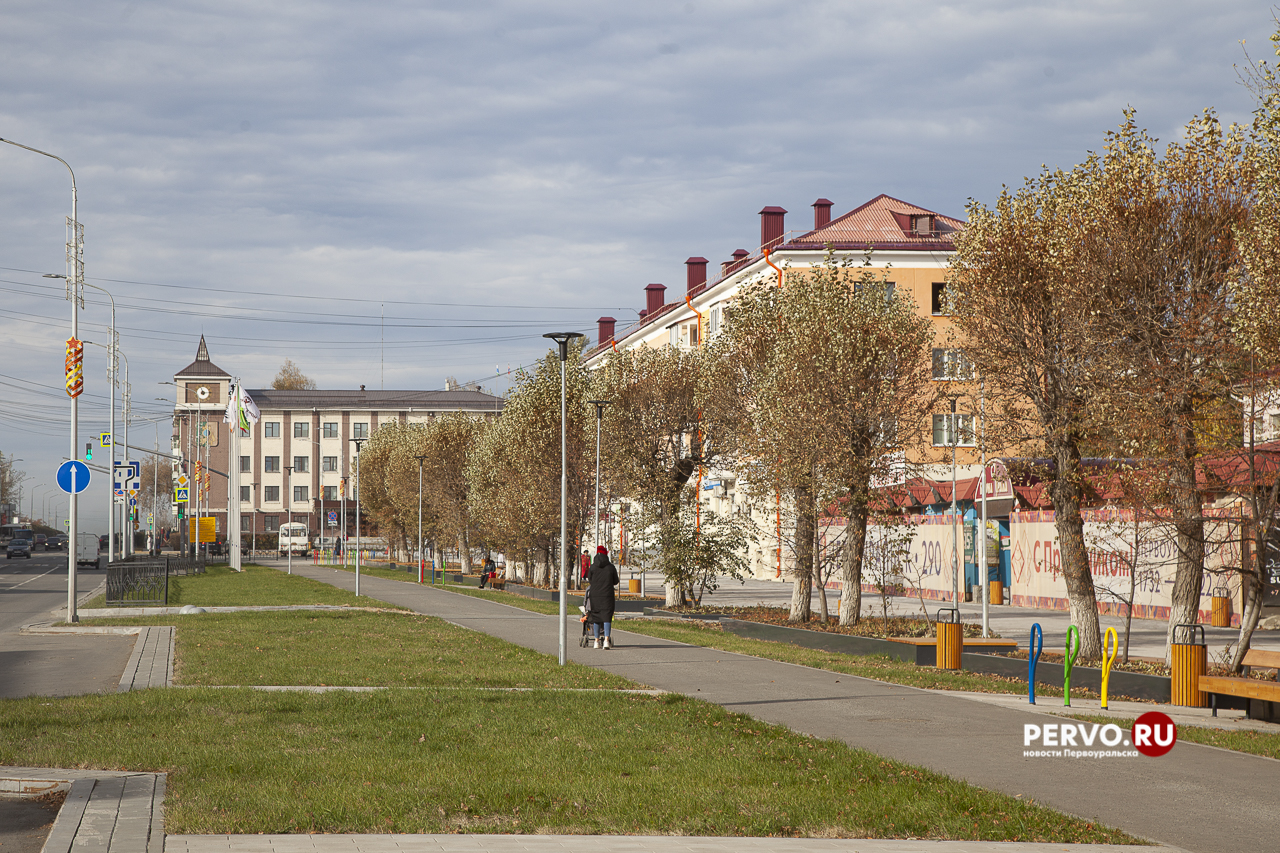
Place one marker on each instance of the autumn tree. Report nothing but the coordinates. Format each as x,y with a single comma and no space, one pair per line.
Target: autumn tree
1164,253
826,380
654,439
10,479
1021,296
291,378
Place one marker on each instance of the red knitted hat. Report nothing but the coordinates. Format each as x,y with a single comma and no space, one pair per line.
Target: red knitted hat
602,550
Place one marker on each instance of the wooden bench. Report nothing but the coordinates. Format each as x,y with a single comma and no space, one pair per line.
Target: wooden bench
969,642
498,584
1261,698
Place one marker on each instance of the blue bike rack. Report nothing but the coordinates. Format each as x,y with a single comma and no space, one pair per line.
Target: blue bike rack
1034,649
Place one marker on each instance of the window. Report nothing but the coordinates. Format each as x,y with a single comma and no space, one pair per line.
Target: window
246,464
328,463
951,364
271,523
271,464
301,429
331,493
271,494
271,429
939,297
300,464
299,494
331,431
246,521
359,430
675,336
942,432
889,289
246,494
1275,423
922,225
693,334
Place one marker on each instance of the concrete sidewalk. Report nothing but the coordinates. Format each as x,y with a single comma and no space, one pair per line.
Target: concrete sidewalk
1199,798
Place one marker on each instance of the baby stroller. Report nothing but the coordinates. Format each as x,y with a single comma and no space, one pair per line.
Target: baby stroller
586,638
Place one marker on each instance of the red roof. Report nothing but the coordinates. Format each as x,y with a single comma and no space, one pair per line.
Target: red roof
883,223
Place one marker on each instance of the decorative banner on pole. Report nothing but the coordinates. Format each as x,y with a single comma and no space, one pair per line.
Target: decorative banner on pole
75,367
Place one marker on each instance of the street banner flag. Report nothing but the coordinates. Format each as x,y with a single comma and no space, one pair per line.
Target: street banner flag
241,409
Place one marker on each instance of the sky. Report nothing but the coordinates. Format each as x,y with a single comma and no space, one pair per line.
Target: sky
393,193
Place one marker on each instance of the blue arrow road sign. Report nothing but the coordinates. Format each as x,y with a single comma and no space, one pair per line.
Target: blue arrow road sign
73,476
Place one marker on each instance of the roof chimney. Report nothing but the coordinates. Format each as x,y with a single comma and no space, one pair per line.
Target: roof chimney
771,226
821,213
604,329
696,269
727,267
655,298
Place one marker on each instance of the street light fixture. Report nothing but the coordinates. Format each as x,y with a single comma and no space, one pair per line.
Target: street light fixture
359,442
562,340
75,293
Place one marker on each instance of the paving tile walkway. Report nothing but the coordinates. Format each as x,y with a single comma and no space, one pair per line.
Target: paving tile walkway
1196,797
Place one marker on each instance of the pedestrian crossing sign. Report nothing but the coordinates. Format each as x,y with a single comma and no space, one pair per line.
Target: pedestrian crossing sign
104,439
180,496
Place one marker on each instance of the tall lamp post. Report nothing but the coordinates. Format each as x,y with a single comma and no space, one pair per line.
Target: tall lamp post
288,504
359,442
75,294
562,340
955,543
421,562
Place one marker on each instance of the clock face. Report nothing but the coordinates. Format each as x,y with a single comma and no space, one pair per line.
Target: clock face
202,393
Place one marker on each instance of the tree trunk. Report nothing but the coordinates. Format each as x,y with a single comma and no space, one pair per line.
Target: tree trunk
542,567
464,553
1065,492
1251,590
855,551
1188,522
820,569
802,588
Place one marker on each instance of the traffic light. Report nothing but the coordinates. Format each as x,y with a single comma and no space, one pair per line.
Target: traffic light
182,511
88,450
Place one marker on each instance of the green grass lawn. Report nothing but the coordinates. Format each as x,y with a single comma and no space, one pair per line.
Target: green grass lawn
1256,743
382,570
356,648
398,761
256,585
457,753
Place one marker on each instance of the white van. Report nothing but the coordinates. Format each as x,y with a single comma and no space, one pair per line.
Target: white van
87,549
293,538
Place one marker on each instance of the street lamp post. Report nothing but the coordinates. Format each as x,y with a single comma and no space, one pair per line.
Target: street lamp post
288,504
359,442
955,543
562,340
421,562
75,294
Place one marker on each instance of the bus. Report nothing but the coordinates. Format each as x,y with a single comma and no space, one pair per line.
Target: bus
293,539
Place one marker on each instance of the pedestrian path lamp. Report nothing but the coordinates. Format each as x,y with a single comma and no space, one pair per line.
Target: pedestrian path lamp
562,340
359,442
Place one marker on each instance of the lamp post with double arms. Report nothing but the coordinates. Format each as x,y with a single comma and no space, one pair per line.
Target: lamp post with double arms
288,505
75,294
562,339
359,442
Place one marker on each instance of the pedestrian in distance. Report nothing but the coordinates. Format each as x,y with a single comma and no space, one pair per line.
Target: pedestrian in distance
586,563
601,580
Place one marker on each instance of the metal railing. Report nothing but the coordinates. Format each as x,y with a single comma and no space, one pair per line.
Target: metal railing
138,582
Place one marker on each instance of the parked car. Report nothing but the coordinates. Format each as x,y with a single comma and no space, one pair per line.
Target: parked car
40,543
18,548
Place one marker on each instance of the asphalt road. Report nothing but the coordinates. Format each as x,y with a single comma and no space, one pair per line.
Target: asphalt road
35,590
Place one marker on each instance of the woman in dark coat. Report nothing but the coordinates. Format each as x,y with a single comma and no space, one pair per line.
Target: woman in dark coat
602,577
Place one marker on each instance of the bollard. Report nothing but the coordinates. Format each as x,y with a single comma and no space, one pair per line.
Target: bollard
1220,616
1188,661
1034,648
1109,641
1069,660
950,639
